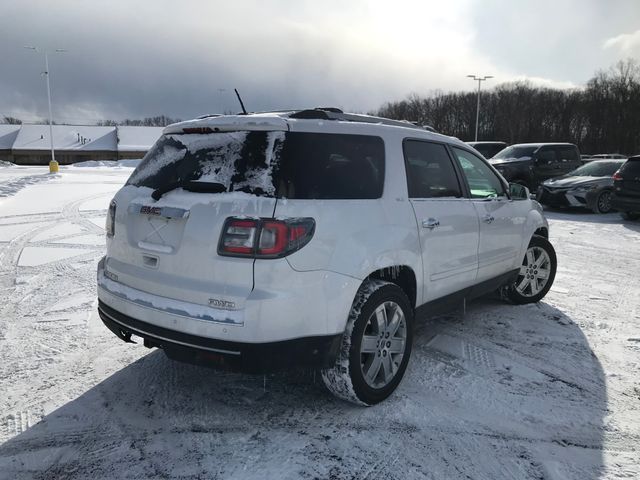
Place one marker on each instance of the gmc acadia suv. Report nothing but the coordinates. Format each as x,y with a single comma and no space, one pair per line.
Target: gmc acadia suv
311,238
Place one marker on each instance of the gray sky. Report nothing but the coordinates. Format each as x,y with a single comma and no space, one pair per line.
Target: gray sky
150,57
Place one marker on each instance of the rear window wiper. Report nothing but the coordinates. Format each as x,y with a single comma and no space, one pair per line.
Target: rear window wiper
190,185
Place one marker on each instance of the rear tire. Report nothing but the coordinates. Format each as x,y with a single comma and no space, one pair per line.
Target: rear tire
603,202
536,274
376,345
630,215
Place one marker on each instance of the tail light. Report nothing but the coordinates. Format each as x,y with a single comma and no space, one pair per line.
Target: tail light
617,176
264,237
110,226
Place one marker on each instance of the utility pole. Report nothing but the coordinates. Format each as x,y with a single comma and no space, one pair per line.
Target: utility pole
479,80
53,165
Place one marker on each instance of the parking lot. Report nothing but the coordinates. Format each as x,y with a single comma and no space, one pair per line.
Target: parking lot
548,391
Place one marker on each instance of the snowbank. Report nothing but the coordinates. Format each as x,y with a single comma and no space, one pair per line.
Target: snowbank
124,163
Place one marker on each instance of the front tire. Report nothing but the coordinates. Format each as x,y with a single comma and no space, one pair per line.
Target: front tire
536,274
630,215
376,345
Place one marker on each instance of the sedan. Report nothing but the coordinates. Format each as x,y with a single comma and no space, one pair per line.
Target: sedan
587,186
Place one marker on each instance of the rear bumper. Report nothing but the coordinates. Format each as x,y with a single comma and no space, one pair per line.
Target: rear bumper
625,204
309,352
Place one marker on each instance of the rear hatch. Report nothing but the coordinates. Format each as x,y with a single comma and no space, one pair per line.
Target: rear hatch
627,182
170,214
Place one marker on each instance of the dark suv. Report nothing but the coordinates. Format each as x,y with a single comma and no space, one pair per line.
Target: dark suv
530,164
626,189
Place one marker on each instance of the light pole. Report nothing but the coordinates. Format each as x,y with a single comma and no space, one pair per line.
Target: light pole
479,80
53,165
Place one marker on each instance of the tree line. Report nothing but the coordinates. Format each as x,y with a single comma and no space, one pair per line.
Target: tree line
157,121
602,117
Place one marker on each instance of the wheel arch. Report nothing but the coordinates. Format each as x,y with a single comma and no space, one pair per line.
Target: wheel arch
542,232
401,275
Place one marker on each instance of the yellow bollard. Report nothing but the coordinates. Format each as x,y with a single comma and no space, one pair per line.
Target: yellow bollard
53,166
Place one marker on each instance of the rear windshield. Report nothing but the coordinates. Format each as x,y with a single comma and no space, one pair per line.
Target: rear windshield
516,152
277,164
597,169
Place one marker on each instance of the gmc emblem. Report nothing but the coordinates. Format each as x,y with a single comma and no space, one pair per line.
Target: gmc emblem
145,209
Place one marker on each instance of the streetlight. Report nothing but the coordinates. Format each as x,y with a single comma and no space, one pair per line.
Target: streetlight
479,80
53,165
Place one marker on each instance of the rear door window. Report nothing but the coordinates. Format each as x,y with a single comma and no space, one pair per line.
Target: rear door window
567,154
293,165
430,172
546,156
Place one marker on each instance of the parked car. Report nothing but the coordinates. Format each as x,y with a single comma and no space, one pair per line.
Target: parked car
530,164
488,149
590,186
602,156
311,238
626,189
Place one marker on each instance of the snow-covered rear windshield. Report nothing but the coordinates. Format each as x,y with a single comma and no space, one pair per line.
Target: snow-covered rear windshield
281,164
515,152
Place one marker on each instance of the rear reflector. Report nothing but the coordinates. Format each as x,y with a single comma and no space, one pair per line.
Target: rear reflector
110,226
264,238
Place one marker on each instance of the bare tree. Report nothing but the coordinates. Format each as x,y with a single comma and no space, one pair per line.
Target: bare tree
603,117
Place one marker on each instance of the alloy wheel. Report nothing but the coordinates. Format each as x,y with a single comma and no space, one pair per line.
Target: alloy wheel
604,202
534,272
383,344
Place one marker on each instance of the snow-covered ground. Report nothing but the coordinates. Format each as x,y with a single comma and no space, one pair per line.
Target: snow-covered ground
547,391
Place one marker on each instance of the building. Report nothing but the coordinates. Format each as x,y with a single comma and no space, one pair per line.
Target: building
72,143
8,134
134,142
30,144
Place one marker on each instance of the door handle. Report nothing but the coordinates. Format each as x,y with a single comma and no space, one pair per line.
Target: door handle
488,218
430,223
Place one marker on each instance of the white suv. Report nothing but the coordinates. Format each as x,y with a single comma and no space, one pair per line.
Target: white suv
311,238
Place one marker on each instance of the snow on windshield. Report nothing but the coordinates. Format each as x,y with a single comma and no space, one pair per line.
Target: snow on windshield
240,160
162,156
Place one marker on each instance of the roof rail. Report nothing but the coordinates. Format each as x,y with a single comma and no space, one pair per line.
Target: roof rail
336,114
209,116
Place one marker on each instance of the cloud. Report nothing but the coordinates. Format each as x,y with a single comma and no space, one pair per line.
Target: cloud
627,44
184,59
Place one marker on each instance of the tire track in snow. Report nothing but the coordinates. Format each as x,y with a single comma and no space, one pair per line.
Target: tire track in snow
29,299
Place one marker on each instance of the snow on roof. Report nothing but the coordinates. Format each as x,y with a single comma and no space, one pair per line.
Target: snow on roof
254,121
66,137
137,139
8,134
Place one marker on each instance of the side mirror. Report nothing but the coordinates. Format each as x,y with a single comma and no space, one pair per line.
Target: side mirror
518,192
